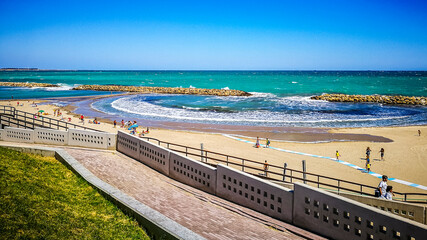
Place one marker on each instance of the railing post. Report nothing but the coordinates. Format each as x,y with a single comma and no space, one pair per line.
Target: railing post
318,181
285,165
291,175
303,169
201,152
338,186
361,192
243,165
186,151
405,197
227,160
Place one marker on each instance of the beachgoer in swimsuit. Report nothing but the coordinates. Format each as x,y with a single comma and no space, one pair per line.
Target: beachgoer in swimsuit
267,143
382,154
265,168
368,152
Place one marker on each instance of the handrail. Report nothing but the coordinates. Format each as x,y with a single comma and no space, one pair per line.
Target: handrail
279,174
28,120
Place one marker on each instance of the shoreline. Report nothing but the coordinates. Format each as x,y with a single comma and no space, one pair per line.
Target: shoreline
285,134
404,158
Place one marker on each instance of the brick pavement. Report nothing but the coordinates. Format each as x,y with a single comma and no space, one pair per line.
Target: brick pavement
203,213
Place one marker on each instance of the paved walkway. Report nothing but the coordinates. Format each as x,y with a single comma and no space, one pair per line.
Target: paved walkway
204,214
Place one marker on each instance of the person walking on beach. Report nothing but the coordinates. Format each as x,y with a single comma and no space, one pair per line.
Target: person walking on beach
338,155
257,142
382,187
265,168
123,123
382,154
368,152
419,133
115,123
368,167
82,119
267,143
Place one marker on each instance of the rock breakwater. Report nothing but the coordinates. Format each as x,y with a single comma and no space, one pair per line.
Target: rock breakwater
163,90
25,84
385,99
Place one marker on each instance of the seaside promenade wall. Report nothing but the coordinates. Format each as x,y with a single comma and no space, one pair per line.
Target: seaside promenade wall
72,137
406,210
313,209
341,218
307,207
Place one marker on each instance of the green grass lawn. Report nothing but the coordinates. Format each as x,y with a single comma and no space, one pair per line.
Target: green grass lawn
42,199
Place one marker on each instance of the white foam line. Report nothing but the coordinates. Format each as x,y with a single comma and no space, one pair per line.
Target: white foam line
335,160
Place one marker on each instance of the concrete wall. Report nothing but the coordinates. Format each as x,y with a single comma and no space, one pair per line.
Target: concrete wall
128,144
18,135
193,173
111,140
255,193
73,137
86,138
340,218
49,136
153,155
406,210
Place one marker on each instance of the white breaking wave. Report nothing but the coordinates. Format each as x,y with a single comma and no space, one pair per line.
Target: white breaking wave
142,108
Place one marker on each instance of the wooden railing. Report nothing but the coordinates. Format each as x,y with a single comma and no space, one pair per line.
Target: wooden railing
284,174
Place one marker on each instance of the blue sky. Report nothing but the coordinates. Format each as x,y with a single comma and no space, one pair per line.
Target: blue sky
214,35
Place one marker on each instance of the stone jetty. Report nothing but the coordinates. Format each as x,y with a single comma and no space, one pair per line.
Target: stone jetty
163,90
25,84
385,99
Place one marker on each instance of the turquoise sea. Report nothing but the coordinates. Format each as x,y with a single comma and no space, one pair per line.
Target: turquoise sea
280,98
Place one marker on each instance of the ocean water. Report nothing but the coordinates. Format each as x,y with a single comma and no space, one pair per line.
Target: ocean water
279,98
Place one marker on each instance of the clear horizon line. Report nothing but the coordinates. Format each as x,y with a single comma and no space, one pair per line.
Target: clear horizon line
5,69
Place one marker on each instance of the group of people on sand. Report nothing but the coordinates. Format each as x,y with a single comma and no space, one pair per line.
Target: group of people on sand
368,157
132,126
258,145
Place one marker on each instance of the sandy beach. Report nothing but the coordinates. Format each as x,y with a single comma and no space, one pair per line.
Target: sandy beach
404,150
